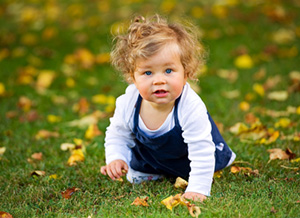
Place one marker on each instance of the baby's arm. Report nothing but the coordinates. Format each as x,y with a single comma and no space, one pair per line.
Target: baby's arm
115,169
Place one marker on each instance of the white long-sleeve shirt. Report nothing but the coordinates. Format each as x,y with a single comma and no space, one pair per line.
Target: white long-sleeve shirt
194,121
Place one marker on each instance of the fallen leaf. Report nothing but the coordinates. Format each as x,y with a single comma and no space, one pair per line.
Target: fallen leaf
25,103
53,118
82,107
283,123
174,201
76,156
284,36
45,79
244,62
218,174
87,120
29,116
53,176
259,89
5,215
231,94
230,75
2,89
37,156
246,170
38,173
180,183
141,202
277,153
2,150
297,160
273,210
244,106
44,134
92,131
67,146
69,192
278,95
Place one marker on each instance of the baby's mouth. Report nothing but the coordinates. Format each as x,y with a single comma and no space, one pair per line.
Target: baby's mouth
160,91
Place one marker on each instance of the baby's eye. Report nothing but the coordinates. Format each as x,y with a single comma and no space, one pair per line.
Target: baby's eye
168,71
148,73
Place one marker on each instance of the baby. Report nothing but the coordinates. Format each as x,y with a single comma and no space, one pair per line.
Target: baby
160,126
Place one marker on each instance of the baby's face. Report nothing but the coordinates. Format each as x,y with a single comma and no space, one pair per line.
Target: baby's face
160,78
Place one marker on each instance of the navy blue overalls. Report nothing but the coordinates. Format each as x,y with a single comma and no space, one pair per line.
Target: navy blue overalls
168,154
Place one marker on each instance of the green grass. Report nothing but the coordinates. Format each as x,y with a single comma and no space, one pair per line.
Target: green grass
86,24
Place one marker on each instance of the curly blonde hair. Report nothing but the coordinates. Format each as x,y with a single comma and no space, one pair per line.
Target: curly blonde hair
146,36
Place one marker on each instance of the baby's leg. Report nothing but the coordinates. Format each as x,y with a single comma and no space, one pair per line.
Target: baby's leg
137,177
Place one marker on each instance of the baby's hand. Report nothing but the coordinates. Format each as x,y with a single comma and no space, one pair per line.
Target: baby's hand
115,169
194,196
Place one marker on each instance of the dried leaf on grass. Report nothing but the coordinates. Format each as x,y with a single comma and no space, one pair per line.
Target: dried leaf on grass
141,201
277,153
38,173
246,170
5,215
76,156
176,200
69,192
44,134
180,183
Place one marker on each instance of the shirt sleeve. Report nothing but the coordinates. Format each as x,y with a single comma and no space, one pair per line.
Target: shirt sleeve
201,149
118,136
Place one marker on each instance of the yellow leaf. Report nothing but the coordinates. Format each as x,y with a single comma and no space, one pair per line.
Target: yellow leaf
244,62
92,131
259,89
218,174
231,94
238,128
278,95
2,150
298,110
53,118
219,11
171,201
103,58
53,176
2,89
180,183
5,215
70,82
244,106
45,79
197,12
99,99
78,141
283,122
297,160
76,156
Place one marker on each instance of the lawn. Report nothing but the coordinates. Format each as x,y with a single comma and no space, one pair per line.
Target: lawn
57,92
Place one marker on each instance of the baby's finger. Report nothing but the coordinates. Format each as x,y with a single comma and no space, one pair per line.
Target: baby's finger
103,170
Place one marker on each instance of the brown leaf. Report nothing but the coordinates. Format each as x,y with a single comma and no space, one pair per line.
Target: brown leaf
5,215
140,202
69,192
29,116
246,170
273,210
277,153
37,156
38,173
44,134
